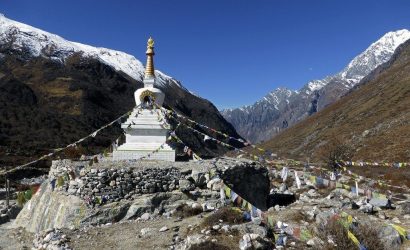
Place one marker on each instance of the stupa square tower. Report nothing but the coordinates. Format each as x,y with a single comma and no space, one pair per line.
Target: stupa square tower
146,129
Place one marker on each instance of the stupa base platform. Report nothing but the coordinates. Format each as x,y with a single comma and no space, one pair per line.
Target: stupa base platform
162,155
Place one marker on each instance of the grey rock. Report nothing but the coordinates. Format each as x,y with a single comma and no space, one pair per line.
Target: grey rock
199,178
145,216
250,228
390,237
405,208
378,202
186,185
146,231
137,210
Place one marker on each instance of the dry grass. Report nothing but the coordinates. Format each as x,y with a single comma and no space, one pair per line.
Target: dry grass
394,176
207,245
185,211
368,236
288,215
224,241
338,234
227,215
74,152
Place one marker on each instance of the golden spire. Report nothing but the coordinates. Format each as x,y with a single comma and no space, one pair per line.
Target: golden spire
149,67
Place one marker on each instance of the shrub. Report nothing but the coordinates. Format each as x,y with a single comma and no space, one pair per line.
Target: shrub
75,152
338,233
368,235
207,245
335,151
28,194
21,199
184,211
227,215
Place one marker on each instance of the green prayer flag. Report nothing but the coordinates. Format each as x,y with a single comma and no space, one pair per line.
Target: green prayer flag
270,221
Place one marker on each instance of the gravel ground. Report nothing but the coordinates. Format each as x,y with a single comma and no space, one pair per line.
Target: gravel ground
128,235
13,238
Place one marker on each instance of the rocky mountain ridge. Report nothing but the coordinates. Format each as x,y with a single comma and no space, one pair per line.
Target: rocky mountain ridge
373,118
262,120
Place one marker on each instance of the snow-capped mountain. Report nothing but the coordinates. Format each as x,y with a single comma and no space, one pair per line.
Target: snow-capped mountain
373,119
252,121
41,43
54,91
377,53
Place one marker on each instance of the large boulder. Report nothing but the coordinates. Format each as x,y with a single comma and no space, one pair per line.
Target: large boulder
112,212
48,209
390,237
250,180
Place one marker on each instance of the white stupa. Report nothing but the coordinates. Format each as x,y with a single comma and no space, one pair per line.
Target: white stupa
146,129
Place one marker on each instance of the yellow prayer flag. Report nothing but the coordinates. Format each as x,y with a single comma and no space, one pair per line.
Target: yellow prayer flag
244,203
227,191
353,238
400,230
382,196
349,219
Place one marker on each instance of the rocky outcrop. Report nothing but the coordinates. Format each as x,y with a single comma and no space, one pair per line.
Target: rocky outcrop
76,194
49,209
250,180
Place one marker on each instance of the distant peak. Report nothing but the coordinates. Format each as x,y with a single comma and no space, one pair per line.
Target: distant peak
393,38
397,32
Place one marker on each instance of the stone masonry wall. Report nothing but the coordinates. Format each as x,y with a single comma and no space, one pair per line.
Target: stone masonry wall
109,185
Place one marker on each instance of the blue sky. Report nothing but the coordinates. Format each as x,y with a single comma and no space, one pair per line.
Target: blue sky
230,52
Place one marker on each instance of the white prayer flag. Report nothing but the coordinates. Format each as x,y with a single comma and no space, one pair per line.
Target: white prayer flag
298,184
284,174
357,189
222,192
